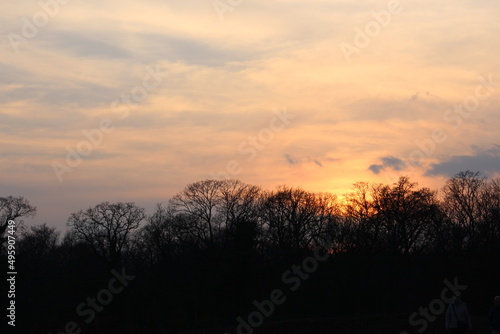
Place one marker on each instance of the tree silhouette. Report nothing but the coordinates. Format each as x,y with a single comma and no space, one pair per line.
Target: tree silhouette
360,230
293,218
207,211
106,228
12,208
462,197
158,238
405,214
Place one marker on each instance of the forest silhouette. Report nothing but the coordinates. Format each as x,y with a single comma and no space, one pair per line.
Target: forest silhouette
220,247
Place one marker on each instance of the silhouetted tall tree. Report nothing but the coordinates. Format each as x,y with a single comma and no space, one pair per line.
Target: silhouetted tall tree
239,205
195,208
405,213
462,197
395,218
489,208
158,238
360,230
293,218
106,227
12,208
208,210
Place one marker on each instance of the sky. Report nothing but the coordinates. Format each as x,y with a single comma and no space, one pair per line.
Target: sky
132,101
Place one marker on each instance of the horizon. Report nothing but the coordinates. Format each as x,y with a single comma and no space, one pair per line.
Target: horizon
150,207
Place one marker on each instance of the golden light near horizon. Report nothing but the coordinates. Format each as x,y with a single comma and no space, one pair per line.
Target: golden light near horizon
128,101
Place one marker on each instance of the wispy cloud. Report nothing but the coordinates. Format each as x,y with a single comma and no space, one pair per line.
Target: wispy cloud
290,160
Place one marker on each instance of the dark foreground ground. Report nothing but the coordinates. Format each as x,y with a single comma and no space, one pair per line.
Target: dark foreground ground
380,324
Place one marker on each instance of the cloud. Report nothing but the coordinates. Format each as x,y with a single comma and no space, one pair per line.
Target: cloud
486,161
394,163
376,168
387,162
291,160
305,161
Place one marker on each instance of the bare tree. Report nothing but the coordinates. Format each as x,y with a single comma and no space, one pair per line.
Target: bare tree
462,198
473,204
208,210
238,204
489,207
12,208
406,214
395,218
294,218
195,207
156,240
359,229
106,227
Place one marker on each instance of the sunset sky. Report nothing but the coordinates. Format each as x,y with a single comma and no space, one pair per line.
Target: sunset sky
173,92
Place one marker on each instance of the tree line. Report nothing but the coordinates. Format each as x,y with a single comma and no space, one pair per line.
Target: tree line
203,257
